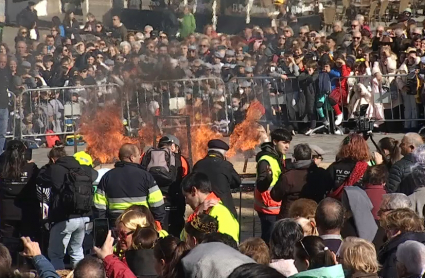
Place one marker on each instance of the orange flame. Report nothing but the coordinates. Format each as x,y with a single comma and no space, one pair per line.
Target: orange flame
248,134
104,134
200,136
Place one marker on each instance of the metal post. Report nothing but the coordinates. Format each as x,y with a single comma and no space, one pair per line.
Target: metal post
189,141
155,123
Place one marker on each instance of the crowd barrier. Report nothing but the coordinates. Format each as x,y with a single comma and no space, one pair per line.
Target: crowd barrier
202,99
12,121
57,110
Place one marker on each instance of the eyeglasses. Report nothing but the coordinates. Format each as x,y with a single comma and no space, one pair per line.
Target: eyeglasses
305,250
357,38
124,235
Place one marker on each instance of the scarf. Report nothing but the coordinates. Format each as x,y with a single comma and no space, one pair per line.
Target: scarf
357,173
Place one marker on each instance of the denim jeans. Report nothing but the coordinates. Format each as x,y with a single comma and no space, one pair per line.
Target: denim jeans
67,235
267,223
4,119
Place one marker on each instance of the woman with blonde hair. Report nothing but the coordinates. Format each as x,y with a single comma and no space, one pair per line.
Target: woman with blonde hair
130,220
358,258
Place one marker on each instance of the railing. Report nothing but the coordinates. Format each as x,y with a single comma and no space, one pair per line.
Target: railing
57,110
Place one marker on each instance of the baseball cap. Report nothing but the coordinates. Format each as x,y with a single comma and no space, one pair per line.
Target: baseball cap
169,138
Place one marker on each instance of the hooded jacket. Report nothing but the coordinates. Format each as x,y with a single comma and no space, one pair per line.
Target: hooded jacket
335,271
213,260
53,176
387,254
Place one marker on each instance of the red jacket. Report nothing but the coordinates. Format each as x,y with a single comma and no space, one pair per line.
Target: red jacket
375,192
116,269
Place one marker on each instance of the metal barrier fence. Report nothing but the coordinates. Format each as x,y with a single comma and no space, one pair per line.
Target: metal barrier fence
202,99
13,116
57,110
286,101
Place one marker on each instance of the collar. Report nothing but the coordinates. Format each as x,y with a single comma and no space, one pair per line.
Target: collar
210,196
325,237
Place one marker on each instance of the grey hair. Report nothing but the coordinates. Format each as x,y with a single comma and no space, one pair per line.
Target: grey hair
133,44
412,255
124,43
305,28
359,17
290,30
413,139
395,201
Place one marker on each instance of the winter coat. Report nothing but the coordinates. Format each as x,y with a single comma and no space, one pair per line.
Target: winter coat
398,173
187,26
418,201
359,274
222,175
387,254
116,269
290,184
141,262
310,85
335,271
339,171
375,192
286,267
53,176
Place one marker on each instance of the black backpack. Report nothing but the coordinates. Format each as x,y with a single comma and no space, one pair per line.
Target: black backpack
76,196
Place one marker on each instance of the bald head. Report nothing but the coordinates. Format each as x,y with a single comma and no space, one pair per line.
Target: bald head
129,153
410,142
329,216
90,267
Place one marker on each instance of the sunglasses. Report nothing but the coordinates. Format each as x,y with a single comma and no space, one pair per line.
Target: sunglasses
24,33
286,31
354,25
356,38
123,235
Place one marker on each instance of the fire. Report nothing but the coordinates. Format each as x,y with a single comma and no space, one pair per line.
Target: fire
200,136
248,134
104,134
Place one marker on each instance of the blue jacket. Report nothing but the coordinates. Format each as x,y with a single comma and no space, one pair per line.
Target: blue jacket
44,268
333,75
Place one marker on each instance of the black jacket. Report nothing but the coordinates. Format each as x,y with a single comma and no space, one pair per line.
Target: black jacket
18,200
5,81
141,262
27,18
387,255
222,175
53,176
398,172
264,178
310,85
339,171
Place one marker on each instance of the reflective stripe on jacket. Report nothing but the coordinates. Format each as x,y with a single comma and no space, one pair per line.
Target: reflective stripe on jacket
262,201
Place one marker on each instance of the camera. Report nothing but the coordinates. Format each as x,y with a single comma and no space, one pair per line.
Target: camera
361,124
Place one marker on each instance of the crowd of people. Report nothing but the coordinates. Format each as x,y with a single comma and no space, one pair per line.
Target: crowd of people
360,217
294,72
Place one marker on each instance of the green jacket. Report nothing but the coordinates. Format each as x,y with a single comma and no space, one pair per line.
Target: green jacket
187,26
335,271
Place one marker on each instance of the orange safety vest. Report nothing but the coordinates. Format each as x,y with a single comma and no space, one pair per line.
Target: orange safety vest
262,201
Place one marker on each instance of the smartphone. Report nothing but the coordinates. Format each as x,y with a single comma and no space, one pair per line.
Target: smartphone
100,231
